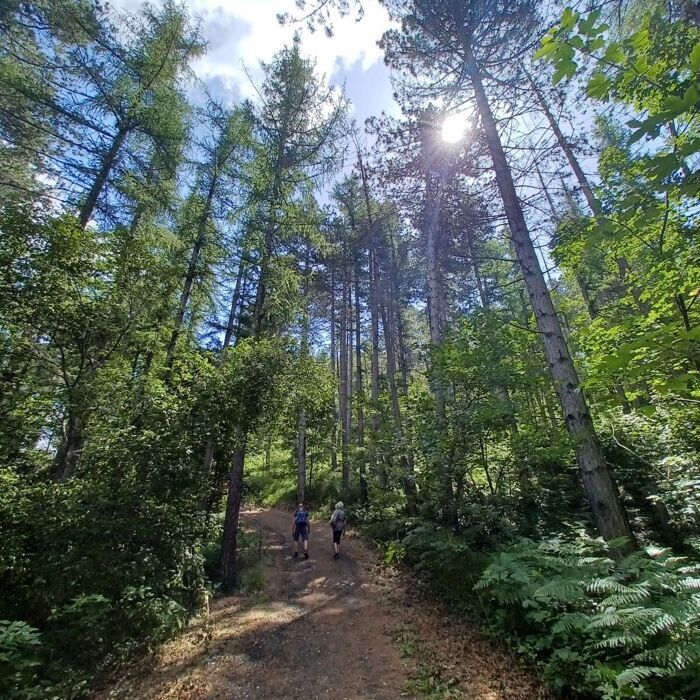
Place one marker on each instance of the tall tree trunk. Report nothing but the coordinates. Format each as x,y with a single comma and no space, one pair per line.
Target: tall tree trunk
618,389
351,356
398,314
301,427
210,449
230,326
68,454
434,185
374,300
191,273
266,256
334,373
359,387
608,512
374,368
343,386
228,560
408,477
593,203
102,176
241,305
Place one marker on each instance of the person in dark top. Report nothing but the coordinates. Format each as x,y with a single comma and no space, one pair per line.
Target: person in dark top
337,522
301,530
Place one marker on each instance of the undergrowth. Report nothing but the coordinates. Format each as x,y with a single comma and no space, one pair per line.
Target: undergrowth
620,629
424,680
594,626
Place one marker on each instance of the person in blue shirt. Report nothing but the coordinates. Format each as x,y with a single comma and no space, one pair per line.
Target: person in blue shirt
301,530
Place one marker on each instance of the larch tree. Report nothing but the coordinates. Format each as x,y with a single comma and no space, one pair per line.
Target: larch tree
300,131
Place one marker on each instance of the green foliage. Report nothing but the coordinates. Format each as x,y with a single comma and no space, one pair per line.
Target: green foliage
449,564
620,628
654,70
19,658
131,373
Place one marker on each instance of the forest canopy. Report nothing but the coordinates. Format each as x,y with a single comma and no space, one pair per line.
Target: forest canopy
476,323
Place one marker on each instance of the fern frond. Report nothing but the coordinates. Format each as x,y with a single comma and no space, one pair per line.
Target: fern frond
571,621
607,585
634,675
608,618
679,657
619,641
560,589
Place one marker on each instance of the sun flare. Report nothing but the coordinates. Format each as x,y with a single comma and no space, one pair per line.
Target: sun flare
453,128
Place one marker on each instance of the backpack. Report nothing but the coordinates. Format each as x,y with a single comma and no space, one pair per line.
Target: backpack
338,520
301,518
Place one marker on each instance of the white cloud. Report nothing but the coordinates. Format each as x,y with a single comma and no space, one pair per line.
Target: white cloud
247,31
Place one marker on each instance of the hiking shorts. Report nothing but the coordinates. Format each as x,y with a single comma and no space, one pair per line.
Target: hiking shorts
301,531
337,534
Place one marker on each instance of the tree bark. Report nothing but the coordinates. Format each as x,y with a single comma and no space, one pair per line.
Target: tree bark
71,447
228,560
359,388
593,203
102,176
304,347
408,477
434,190
334,372
191,273
343,387
608,512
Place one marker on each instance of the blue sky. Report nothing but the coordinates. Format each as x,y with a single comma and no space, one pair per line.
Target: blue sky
241,33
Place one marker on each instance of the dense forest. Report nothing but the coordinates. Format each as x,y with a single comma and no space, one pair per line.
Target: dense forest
485,340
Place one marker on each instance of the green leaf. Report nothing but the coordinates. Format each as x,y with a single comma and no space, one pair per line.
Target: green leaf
695,58
640,40
598,87
585,26
568,19
614,54
548,47
691,97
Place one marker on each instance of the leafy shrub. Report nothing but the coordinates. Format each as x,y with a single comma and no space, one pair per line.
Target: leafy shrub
83,624
449,563
624,629
20,647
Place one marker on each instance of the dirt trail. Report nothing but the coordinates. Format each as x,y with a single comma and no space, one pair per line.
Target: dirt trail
325,628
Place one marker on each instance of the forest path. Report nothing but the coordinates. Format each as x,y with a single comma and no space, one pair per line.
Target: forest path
326,628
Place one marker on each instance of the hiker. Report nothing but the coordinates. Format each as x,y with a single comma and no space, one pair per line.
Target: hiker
337,522
301,530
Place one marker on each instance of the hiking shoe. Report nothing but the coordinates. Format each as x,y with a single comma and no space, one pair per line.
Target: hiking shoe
306,555
296,555
336,555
